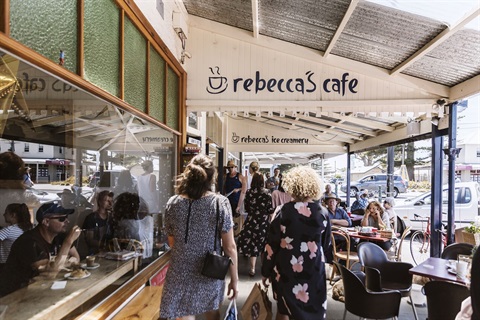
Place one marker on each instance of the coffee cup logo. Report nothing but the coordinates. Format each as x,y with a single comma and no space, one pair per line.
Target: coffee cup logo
217,83
235,138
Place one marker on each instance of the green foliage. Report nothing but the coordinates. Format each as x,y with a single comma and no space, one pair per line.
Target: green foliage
472,228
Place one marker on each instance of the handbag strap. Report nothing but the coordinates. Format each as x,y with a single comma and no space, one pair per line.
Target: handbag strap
216,224
188,219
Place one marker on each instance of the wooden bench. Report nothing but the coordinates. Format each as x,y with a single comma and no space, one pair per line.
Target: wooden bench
145,305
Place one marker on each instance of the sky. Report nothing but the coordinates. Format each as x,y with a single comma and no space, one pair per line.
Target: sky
468,122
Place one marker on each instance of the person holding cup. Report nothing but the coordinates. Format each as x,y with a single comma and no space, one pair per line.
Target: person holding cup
375,217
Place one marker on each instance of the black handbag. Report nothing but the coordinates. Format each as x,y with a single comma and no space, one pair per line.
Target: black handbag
215,264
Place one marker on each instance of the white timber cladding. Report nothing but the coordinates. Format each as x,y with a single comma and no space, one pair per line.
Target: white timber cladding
232,75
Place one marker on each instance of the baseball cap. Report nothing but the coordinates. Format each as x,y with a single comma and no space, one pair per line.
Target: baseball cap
51,208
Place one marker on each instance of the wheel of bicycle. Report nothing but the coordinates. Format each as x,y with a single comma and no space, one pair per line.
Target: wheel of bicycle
420,246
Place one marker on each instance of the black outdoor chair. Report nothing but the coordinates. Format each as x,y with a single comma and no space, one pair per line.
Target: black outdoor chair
366,304
385,274
444,299
452,251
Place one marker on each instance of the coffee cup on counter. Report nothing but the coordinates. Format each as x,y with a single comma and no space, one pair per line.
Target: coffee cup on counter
90,261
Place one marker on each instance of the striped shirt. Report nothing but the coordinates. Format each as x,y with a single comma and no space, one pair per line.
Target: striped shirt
8,236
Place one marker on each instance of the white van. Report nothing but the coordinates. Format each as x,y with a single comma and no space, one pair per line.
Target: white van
467,206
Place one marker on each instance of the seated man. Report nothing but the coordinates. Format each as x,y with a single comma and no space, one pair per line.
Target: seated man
98,224
328,190
338,216
31,252
358,207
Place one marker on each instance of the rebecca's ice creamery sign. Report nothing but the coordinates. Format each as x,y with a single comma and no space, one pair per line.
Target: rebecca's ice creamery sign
308,83
243,135
267,139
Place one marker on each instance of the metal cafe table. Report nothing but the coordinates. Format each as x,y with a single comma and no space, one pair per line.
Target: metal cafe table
39,301
437,269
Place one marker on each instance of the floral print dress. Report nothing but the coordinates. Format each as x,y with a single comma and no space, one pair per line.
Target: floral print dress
258,204
298,245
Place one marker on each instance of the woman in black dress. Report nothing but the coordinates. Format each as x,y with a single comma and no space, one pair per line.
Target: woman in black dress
258,204
298,246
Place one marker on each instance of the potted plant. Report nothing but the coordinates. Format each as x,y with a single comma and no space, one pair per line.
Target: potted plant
471,233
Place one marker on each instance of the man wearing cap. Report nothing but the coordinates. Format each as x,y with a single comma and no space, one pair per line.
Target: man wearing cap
235,187
338,216
31,252
361,203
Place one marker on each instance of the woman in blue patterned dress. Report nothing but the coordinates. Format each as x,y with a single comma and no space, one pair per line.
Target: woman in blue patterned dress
258,204
298,245
190,221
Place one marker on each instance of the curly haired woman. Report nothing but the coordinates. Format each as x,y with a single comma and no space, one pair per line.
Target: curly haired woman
298,245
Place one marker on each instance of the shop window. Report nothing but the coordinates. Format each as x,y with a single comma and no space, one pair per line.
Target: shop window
96,127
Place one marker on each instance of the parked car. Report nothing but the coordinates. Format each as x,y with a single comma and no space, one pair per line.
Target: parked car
373,182
337,181
42,196
467,206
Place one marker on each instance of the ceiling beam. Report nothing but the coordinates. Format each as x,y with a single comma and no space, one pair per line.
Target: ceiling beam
341,27
312,129
387,105
255,23
438,40
465,89
365,122
332,125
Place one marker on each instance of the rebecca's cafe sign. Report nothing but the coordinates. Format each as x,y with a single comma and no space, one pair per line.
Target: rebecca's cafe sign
218,84
243,134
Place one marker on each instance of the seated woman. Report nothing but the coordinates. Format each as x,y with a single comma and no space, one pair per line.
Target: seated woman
375,217
131,221
18,216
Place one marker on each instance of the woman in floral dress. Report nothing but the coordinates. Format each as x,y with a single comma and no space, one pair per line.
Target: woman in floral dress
298,245
258,204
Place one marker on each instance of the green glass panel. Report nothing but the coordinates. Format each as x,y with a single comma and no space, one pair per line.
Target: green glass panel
172,99
46,26
157,86
102,49
135,67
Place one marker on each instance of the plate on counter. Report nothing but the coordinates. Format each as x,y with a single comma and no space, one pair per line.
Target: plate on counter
77,275
95,266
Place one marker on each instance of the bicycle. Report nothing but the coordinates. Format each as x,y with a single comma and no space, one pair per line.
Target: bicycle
420,242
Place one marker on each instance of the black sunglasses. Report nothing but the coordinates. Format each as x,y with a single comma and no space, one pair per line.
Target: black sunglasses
61,219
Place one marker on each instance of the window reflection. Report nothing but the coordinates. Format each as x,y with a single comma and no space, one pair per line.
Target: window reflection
78,145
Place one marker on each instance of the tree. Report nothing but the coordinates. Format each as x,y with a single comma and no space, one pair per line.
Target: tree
413,156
